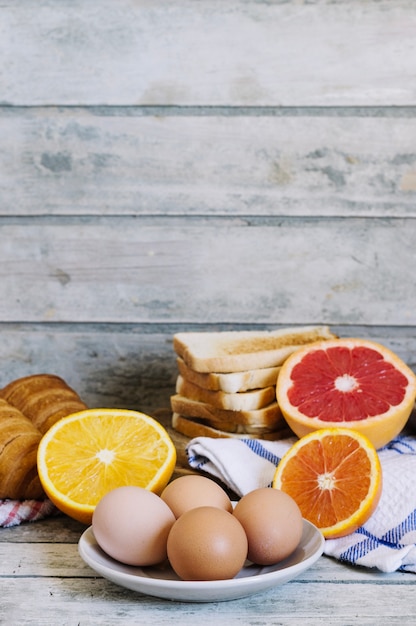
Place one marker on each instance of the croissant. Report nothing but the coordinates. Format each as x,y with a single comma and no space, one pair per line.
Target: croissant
29,406
19,440
43,398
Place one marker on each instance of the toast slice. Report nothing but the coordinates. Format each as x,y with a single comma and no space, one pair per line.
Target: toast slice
198,428
245,401
239,351
233,382
270,417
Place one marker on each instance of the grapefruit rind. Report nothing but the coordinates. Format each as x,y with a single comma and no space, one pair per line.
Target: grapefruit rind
379,429
368,504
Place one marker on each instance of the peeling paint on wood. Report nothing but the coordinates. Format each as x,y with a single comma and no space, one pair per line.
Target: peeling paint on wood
213,53
74,163
178,164
286,271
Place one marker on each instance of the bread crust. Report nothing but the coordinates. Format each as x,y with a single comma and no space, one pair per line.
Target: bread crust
19,440
43,398
269,417
245,401
29,406
239,351
194,427
231,382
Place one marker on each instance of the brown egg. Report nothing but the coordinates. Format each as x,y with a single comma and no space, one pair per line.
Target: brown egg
188,492
207,543
132,525
273,524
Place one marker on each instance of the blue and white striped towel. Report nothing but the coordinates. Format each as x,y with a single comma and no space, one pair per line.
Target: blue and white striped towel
386,542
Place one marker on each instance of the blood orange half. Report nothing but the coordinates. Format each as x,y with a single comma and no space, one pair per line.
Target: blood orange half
350,383
335,477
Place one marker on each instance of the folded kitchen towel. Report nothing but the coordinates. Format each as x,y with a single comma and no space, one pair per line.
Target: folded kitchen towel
387,541
15,512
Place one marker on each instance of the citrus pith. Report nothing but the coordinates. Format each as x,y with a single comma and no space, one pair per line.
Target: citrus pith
353,383
87,454
335,477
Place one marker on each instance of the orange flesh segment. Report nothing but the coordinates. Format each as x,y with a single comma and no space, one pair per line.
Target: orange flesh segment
328,488
108,452
87,454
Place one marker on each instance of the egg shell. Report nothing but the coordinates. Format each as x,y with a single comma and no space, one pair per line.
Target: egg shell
191,491
131,524
273,524
207,543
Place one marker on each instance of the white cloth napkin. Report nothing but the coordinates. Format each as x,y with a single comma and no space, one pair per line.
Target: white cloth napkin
388,539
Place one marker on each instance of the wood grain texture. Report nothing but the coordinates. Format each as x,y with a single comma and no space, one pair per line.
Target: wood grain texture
171,165
209,53
121,162
131,367
56,599
54,574
41,560
287,271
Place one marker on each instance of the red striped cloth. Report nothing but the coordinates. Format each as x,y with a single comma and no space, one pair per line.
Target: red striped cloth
15,512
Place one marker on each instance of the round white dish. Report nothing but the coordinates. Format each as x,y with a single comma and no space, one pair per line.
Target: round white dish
162,582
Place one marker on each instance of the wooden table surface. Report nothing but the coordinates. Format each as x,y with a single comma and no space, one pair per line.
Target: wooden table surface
44,581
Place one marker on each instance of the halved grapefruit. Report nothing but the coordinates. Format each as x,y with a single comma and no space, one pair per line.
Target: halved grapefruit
350,383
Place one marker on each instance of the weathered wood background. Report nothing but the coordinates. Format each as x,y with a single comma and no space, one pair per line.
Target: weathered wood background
171,165
174,165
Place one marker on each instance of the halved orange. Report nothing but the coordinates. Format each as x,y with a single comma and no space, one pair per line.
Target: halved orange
334,475
353,383
87,454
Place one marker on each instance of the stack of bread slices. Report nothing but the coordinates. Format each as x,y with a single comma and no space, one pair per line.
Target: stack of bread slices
226,384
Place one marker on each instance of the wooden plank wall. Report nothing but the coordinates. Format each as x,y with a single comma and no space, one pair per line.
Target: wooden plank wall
174,165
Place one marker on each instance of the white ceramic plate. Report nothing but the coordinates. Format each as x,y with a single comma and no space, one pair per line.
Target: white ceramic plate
162,582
